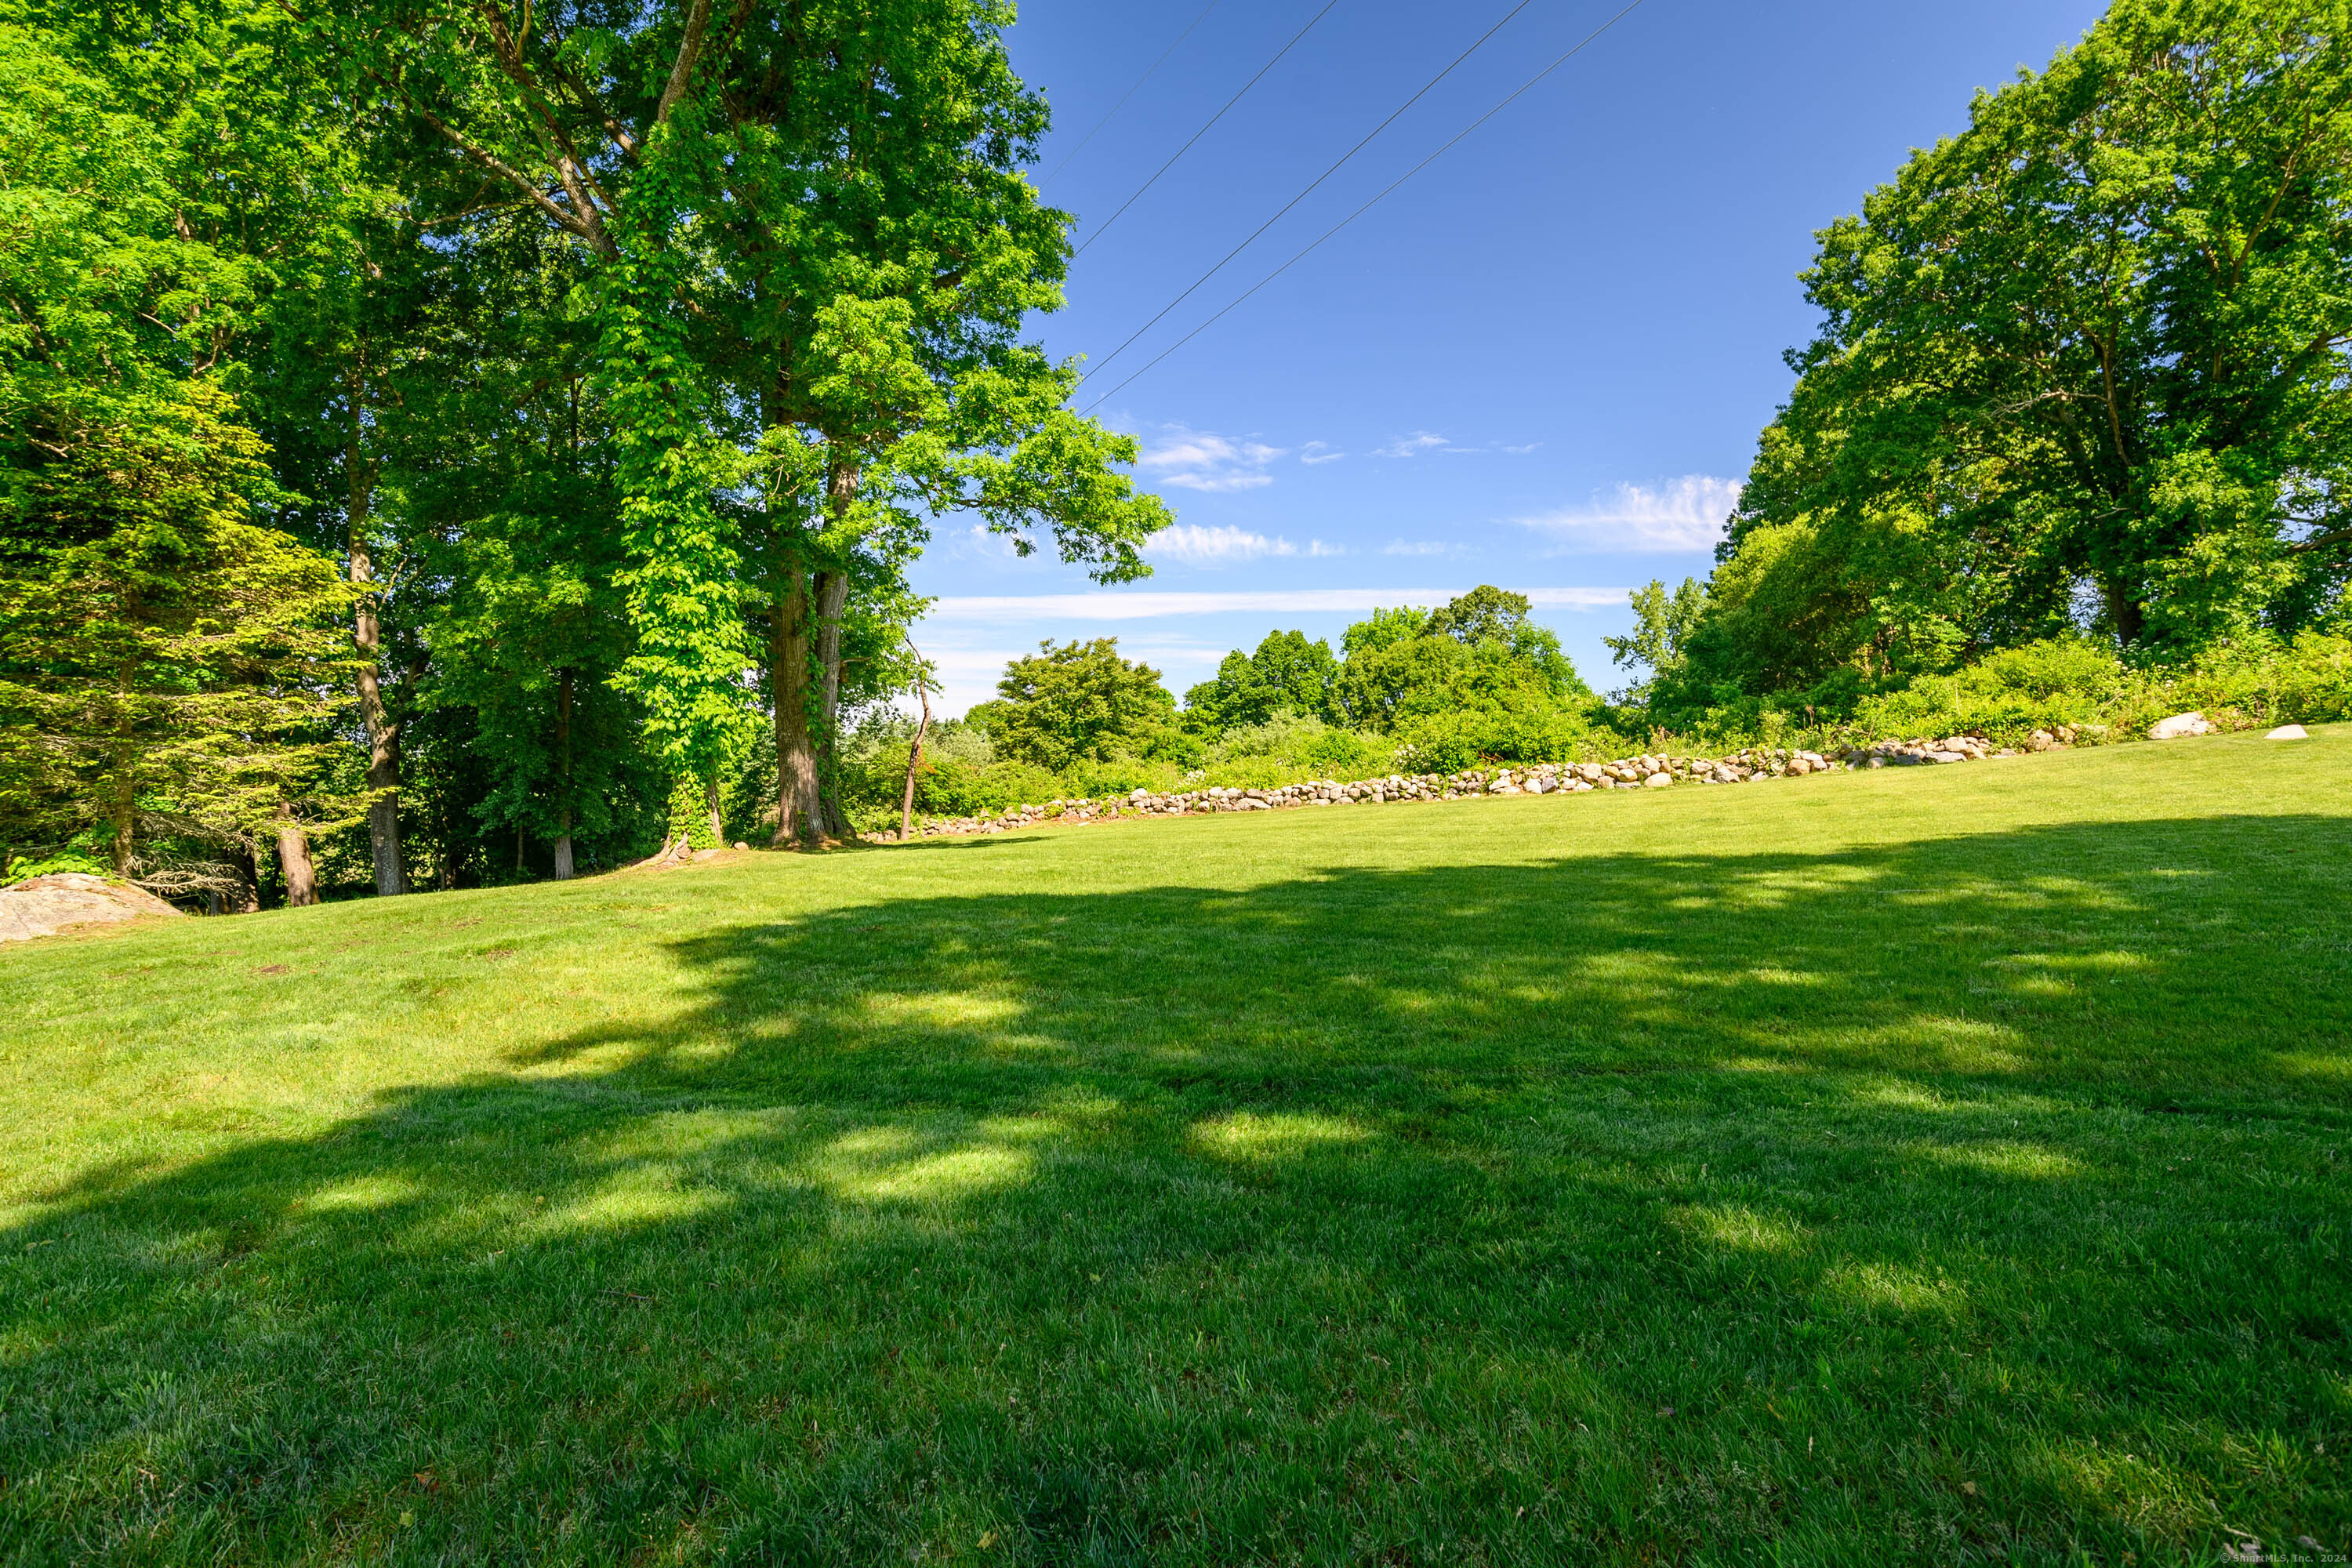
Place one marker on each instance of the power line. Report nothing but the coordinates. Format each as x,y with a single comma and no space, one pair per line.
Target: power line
1220,114
1524,88
1129,93
1302,195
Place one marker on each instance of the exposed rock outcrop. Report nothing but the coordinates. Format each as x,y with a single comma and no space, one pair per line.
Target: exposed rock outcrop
42,906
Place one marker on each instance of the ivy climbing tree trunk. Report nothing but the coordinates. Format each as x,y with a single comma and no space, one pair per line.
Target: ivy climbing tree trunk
367,636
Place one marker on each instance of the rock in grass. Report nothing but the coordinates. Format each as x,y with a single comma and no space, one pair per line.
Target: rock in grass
39,906
1659,781
2179,724
2288,732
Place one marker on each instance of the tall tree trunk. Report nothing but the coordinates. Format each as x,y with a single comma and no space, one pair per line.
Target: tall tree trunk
710,804
122,787
294,860
122,815
841,485
832,599
788,660
564,775
247,900
367,636
2124,611
914,762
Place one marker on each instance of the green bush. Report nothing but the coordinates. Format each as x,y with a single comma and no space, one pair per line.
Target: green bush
2072,681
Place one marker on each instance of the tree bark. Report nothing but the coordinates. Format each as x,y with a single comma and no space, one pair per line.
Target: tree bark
711,803
564,775
788,672
2130,620
841,485
247,900
367,636
832,599
294,860
914,763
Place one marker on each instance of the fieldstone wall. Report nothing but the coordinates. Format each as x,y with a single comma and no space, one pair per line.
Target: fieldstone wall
1755,766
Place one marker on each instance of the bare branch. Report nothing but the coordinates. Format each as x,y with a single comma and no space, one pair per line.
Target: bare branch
582,225
689,54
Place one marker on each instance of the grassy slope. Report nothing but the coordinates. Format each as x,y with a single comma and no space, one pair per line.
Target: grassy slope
1928,1163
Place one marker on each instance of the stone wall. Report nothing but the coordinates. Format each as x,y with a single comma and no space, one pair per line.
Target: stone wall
1755,766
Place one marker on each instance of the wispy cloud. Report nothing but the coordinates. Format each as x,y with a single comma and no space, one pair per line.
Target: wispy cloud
980,541
1114,606
1193,545
1318,452
1419,547
1688,513
968,669
1411,445
1203,460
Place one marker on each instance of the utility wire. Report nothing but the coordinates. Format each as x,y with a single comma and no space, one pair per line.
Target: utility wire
1368,206
1302,195
1220,114
1129,93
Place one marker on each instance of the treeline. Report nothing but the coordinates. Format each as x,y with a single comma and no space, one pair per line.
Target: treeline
2081,385
1426,690
1475,683
444,441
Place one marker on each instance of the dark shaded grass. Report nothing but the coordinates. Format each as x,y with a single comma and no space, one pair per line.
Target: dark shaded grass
1973,1198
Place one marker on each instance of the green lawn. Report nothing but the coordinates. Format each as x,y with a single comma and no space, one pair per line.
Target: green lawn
1931,1164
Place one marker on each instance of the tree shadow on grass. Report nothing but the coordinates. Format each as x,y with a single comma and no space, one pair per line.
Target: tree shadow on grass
1968,1198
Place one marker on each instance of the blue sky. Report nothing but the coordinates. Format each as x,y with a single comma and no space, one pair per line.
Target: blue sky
1542,363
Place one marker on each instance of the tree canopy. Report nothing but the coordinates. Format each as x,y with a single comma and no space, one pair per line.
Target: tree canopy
2081,367
566,387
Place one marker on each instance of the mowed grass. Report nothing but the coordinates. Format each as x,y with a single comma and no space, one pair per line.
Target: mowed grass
1933,1164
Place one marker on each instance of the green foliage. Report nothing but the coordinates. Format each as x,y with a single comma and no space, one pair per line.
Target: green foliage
1662,624
89,864
1287,674
2073,681
1079,701
691,646
1471,670
1383,627
160,656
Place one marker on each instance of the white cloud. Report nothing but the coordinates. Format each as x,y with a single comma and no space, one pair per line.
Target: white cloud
1410,446
980,541
1421,547
1686,513
1203,460
1116,605
1318,452
1193,545
1522,451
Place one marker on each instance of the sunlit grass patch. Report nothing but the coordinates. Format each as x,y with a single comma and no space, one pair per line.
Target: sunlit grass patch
1889,1167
